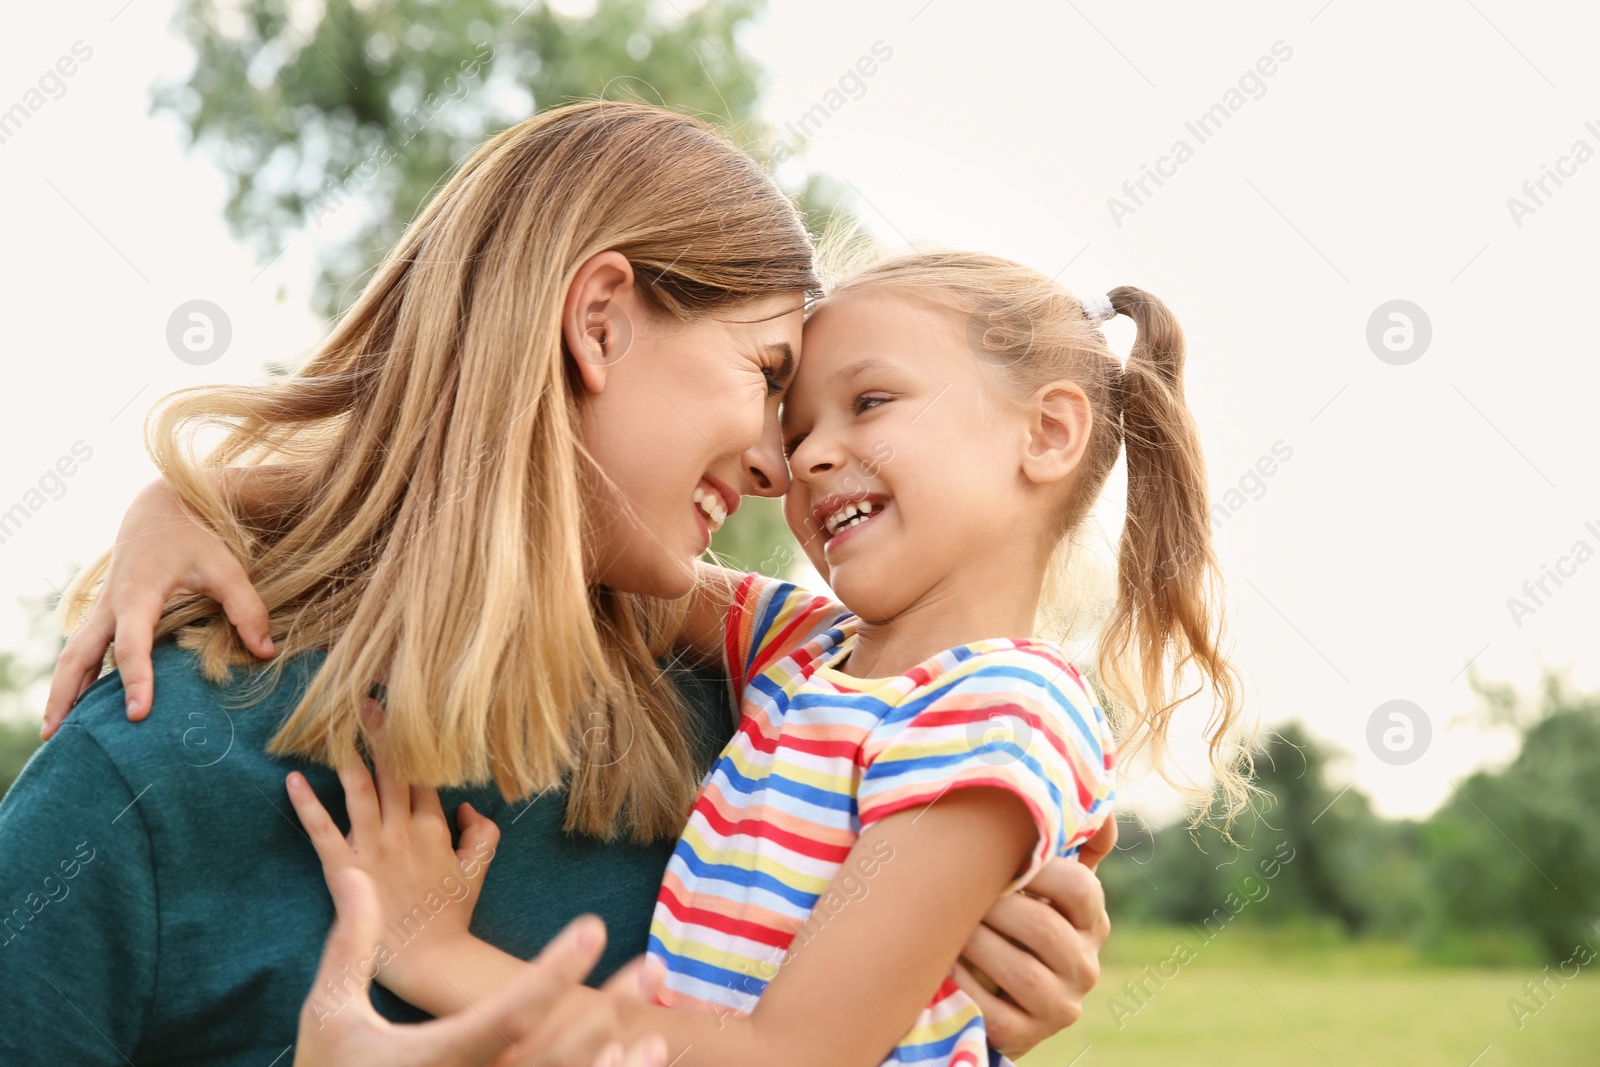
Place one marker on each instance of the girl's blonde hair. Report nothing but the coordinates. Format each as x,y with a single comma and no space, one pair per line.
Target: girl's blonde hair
1167,622
428,526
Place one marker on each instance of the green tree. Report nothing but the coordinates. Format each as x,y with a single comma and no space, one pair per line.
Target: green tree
1519,850
1348,866
19,730
365,105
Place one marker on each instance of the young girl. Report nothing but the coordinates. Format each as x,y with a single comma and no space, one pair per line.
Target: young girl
901,761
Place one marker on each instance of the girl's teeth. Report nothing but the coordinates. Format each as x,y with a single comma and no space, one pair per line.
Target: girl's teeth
850,515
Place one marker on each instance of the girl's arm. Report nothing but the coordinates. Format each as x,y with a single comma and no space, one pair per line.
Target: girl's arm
868,968
701,636
162,551
355,1035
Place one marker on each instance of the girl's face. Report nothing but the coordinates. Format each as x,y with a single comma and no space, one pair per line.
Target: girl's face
905,460
682,419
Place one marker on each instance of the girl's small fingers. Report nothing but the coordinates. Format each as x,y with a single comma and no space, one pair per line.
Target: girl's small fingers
651,1052
393,794
480,836
639,980
360,799
573,952
357,925
319,825
425,801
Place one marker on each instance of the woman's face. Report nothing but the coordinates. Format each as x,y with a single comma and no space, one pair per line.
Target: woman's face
682,420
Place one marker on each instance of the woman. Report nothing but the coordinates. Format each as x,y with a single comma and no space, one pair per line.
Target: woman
483,494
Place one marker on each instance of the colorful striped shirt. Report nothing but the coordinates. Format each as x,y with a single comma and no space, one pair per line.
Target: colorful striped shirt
820,755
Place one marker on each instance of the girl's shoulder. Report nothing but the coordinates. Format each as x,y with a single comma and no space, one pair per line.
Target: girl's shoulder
1033,677
1024,662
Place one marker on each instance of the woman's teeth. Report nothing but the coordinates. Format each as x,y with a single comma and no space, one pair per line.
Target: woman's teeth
711,506
852,514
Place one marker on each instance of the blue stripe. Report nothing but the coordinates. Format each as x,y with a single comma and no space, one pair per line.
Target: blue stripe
775,596
737,877
752,787
709,973
993,673
897,772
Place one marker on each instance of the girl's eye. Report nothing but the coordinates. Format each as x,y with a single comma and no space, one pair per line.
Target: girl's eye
866,403
790,446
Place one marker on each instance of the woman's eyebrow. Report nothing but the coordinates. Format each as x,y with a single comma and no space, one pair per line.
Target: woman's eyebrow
785,354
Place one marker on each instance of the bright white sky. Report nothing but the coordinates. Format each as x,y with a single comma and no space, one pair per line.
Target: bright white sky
1374,164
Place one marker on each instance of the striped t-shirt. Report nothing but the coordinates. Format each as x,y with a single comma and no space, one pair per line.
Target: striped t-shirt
820,755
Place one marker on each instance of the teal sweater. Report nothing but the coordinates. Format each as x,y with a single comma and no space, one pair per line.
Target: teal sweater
159,903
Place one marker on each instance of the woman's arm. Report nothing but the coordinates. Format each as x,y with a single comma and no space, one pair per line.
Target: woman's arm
869,970
163,550
1041,948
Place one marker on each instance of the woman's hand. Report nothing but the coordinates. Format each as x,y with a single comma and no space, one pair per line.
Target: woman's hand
399,837
162,551
1060,921
499,1031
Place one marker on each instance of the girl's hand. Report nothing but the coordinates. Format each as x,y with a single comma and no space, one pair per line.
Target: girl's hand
1060,922
162,551
498,1031
399,836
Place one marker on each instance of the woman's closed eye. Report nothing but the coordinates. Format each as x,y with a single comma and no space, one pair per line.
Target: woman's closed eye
775,382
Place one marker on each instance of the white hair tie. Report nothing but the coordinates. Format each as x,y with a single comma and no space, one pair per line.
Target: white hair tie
1099,308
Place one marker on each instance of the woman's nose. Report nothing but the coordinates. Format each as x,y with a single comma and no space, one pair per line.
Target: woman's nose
764,467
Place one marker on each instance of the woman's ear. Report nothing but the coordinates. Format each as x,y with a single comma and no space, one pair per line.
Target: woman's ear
1059,421
595,323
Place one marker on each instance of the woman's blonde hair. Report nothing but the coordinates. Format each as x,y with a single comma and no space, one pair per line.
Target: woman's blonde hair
428,526
1166,624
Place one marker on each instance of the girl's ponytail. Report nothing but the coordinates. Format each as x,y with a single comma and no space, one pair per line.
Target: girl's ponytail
1165,621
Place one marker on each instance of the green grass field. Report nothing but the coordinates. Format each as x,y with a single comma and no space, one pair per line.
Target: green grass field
1249,999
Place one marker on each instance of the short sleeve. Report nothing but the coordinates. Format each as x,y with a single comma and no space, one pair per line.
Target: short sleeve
1019,719
78,945
769,619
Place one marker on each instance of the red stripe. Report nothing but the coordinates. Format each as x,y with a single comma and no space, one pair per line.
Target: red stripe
750,727
968,716
758,739
775,644
732,628
755,827
722,924
881,812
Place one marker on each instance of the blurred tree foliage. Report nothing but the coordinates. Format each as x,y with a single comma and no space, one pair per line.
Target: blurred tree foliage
366,105
19,728
1506,871
337,121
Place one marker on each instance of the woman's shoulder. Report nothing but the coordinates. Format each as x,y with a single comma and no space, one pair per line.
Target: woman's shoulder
190,711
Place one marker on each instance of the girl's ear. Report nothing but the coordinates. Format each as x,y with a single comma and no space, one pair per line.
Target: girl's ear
595,323
1059,420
